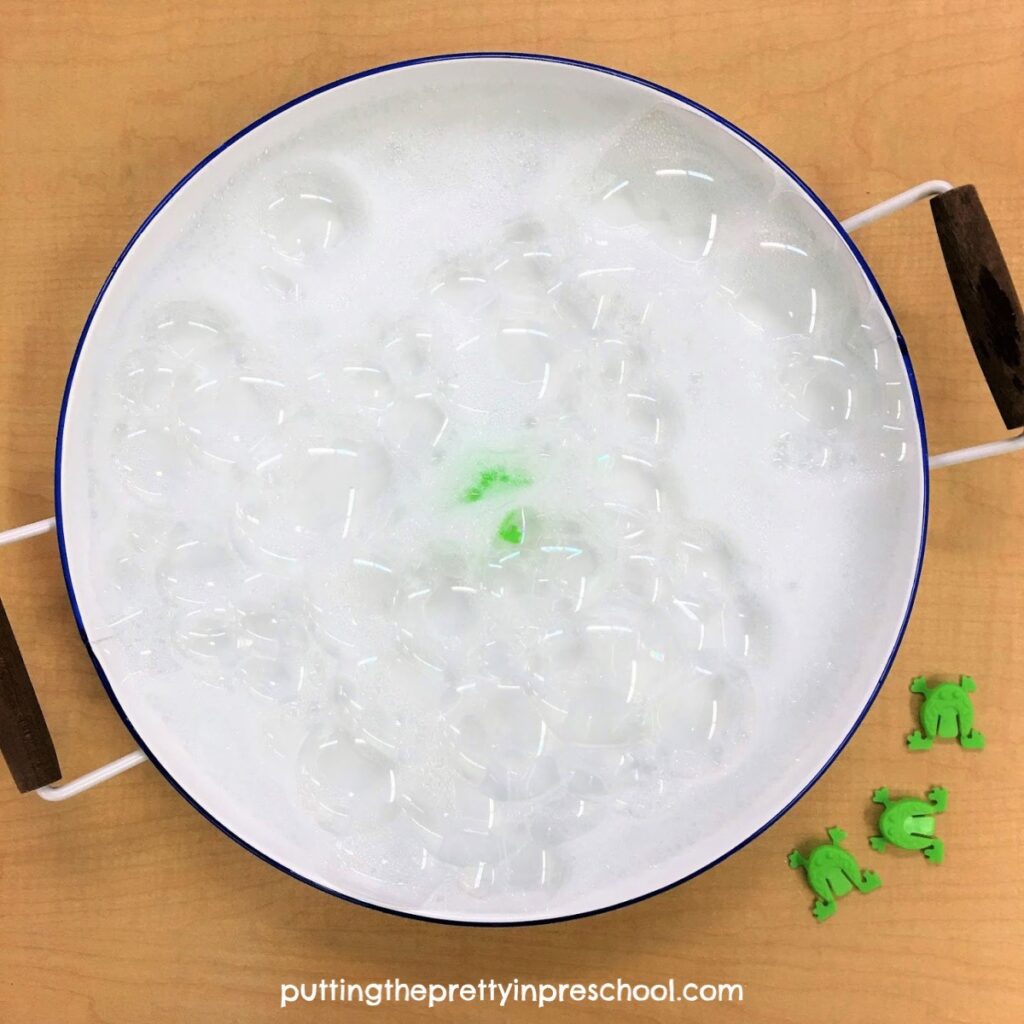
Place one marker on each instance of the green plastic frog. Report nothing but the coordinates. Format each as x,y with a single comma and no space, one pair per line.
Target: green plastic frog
909,823
832,872
947,713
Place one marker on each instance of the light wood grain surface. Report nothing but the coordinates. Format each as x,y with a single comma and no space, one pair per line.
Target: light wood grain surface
125,907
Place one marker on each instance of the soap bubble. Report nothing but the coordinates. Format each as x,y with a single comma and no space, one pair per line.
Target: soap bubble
209,638
396,704
462,288
312,487
353,384
525,266
564,817
461,825
441,611
193,337
153,463
504,745
228,418
594,678
349,595
345,782
308,213
276,660
384,860
704,722
195,570
536,869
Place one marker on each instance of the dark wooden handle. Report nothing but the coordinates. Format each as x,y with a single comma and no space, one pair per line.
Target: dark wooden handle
986,296
24,738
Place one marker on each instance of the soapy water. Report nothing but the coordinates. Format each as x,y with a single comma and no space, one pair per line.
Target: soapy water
483,528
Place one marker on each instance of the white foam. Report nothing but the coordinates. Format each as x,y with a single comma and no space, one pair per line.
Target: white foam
477,449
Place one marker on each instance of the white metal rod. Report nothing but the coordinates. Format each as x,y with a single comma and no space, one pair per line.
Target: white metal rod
979,451
94,778
887,206
24,532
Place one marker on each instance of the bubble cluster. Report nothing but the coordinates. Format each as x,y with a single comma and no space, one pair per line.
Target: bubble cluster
470,637
470,553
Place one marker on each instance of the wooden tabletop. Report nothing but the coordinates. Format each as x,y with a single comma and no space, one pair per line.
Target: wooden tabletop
125,907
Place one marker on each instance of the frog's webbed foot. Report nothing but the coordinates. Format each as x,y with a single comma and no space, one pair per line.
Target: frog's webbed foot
837,835
877,843
880,796
797,860
919,685
967,684
933,853
973,741
868,882
823,909
915,741
939,798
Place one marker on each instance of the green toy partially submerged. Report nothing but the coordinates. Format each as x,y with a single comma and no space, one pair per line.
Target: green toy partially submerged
832,872
494,480
909,823
947,713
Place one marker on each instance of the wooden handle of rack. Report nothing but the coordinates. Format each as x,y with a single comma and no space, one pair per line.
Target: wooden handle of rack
24,737
984,291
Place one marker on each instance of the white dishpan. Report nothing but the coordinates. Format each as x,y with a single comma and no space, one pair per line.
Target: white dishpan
317,269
